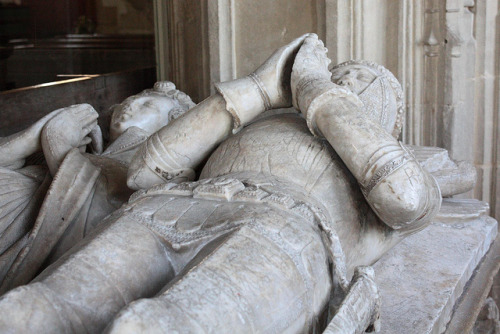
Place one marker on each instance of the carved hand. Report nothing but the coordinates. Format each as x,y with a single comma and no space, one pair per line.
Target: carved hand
69,129
310,81
15,148
266,88
275,73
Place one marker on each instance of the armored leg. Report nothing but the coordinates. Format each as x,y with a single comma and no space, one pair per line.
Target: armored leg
269,276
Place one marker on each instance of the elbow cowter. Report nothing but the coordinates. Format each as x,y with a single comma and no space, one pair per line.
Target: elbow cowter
407,199
153,164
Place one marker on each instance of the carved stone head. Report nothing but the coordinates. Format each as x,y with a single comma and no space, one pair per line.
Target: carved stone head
149,110
378,89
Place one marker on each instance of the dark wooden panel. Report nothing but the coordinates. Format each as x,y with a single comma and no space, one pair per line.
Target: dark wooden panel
13,22
21,107
32,66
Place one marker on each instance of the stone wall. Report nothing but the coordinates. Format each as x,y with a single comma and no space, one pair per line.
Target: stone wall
445,54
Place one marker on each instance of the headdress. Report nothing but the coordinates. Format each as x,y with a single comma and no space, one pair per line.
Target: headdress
377,96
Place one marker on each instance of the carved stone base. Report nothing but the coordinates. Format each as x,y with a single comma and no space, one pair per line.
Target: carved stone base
422,279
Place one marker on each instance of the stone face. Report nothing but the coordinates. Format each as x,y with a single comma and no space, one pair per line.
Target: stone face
421,278
149,110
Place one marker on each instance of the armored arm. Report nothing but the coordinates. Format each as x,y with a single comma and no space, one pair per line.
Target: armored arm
395,185
172,154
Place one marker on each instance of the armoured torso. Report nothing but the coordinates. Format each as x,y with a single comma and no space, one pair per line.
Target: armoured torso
281,147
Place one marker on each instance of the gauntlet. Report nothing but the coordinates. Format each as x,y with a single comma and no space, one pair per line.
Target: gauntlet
266,88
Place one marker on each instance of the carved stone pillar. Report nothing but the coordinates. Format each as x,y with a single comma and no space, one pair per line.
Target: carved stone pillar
459,70
390,33
487,103
430,125
182,45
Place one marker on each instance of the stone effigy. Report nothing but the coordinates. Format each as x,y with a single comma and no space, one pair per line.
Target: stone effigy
139,116
149,110
85,188
23,188
284,214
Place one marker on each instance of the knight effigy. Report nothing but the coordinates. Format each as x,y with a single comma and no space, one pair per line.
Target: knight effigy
243,219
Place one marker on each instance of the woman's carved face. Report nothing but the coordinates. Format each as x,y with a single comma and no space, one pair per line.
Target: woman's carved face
149,113
354,77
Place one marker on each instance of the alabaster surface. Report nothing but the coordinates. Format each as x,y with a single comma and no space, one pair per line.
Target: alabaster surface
149,110
239,224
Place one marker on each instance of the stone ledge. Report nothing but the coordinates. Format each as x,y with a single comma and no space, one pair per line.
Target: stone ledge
422,278
475,293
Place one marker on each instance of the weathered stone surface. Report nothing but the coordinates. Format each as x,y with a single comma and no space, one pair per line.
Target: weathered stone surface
454,210
421,278
488,321
42,222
